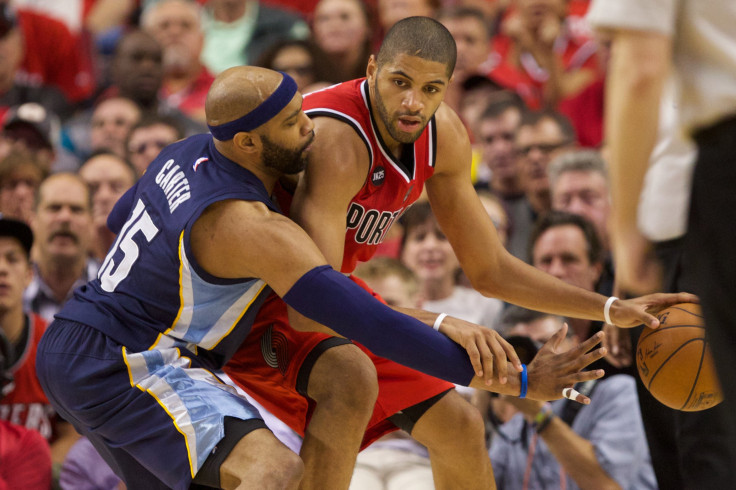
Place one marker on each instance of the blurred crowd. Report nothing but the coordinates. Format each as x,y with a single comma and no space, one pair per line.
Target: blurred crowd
92,90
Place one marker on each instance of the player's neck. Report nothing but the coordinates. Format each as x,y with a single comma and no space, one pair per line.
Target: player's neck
13,320
60,275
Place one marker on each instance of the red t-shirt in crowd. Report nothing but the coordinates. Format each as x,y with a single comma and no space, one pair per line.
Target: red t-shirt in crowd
25,459
55,56
26,405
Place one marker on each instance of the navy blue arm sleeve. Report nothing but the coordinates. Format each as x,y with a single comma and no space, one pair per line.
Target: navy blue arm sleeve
330,298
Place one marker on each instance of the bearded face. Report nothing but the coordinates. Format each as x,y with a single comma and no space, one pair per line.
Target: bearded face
283,158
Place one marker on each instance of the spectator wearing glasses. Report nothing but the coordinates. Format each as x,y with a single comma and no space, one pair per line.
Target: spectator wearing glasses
303,60
497,129
148,137
541,137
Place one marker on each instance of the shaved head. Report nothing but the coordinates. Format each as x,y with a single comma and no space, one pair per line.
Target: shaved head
237,91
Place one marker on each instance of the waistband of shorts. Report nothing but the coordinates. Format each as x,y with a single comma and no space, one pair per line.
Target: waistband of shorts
721,130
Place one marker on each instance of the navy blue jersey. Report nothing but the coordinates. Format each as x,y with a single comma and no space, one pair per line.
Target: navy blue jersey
150,292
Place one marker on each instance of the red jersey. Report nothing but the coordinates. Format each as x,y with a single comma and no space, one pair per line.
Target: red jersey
391,184
26,405
55,56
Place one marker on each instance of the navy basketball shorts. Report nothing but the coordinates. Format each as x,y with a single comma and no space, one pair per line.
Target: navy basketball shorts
155,416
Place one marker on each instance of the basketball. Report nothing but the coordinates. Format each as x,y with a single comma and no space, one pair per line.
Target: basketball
675,363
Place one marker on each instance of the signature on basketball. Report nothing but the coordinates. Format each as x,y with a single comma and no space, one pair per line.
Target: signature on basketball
645,354
704,399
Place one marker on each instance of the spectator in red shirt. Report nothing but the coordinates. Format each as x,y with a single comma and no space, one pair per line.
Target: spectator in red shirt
15,87
540,56
175,24
25,404
52,55
25,459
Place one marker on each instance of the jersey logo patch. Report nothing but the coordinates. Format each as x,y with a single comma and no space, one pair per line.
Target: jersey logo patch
199,160
378,176
275,350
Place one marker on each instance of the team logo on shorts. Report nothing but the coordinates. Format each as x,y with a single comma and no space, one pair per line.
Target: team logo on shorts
378,175
275,350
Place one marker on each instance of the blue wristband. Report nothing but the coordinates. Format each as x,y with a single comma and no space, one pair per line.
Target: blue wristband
524,382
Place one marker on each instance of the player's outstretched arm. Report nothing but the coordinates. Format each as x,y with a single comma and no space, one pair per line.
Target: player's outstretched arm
491,269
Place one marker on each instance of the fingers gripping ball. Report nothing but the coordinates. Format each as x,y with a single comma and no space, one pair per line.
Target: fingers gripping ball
675,363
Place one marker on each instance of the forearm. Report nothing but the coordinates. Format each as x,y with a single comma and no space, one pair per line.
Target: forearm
516,282
554,88
576,456
636,76
334,300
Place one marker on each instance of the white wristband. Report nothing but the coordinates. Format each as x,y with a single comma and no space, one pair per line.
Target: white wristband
438,321
607,309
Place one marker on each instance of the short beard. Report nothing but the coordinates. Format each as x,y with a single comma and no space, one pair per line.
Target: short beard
401,137
285,160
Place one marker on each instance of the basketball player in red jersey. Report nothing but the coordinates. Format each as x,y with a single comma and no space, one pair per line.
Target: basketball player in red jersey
377,141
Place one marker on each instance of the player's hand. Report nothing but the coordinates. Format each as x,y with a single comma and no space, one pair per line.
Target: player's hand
636,311
489,353
618,344
551,370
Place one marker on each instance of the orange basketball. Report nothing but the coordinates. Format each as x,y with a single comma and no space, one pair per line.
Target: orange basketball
675,363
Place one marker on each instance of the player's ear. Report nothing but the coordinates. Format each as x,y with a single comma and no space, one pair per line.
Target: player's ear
372,67
248,142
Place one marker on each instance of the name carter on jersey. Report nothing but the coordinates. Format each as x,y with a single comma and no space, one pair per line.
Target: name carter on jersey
175,185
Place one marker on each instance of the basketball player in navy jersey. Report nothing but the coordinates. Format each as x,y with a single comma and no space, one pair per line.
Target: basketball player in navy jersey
378,141
132,359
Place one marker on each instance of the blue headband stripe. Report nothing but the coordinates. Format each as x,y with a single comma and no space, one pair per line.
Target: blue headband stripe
275,102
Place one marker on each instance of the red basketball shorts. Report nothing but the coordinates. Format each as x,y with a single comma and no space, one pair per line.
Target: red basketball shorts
274,362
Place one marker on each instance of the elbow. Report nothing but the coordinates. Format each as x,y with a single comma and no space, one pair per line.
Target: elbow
486,279
639,67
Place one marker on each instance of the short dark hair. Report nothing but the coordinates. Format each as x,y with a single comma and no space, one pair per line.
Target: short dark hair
418,214
554,219
501,102
147,120
456,12
563,122
423,37
20,158
322,67
109,153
